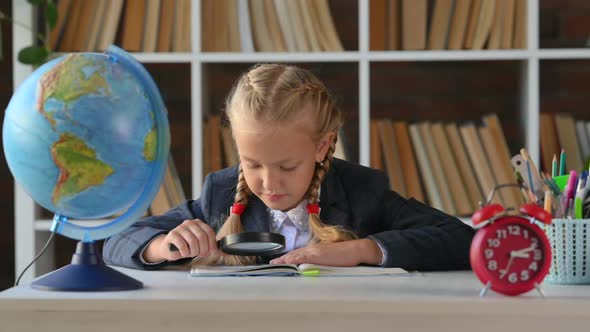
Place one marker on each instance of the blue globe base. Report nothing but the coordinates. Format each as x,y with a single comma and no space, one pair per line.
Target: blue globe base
86,273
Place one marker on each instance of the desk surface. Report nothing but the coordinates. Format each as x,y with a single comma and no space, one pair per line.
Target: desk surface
444,300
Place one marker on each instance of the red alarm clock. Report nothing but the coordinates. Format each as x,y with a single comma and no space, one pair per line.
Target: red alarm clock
509,253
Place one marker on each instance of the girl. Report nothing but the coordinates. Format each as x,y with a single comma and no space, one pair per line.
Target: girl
285,126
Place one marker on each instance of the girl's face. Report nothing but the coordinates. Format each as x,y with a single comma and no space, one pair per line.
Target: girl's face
278,160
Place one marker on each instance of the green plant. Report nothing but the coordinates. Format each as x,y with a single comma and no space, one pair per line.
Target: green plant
37,53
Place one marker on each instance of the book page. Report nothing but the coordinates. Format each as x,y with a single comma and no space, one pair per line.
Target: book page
323,270
246,270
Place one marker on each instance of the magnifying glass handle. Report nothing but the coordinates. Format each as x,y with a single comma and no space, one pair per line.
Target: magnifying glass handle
172,247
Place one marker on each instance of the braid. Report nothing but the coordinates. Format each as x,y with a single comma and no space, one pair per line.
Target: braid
242,190
321,232
232,225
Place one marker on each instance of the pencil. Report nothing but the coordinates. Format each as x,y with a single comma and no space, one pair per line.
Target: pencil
554,166
548,201
562,162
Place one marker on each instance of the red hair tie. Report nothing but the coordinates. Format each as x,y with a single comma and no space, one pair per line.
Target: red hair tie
238,209
313,208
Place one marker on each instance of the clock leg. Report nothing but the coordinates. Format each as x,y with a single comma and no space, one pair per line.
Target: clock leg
538,287
485,289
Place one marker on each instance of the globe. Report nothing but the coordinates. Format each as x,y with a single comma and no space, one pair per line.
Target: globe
86,135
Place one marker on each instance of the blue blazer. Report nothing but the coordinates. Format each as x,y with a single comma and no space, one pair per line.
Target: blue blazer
415,236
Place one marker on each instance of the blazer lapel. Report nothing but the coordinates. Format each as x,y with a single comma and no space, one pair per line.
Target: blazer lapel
333,202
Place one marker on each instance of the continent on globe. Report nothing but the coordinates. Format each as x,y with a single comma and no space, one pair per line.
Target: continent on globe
68,81
150,145
79,169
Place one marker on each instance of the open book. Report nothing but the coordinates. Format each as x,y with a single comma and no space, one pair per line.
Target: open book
292,270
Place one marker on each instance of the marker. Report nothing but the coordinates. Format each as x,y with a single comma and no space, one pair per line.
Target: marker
571,185
311,273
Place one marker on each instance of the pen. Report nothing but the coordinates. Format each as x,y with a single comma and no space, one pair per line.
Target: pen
562,162
571,185
554,166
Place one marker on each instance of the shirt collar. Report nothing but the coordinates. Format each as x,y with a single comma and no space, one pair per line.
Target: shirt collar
297,215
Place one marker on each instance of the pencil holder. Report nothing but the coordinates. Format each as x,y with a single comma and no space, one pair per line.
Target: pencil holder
570,246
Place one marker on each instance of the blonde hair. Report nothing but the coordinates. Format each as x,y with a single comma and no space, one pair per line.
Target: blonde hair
278,93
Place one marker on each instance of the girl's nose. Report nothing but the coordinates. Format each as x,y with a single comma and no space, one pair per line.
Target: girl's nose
270,182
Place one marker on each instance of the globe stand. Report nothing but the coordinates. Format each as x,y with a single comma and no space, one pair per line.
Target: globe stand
86,273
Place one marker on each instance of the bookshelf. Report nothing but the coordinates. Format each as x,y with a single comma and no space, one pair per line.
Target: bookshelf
31,230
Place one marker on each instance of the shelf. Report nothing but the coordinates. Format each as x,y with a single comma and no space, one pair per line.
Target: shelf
355,56
564,53
163,57
221,57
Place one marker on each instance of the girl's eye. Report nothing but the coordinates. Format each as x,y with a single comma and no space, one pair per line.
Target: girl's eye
288,169
253,166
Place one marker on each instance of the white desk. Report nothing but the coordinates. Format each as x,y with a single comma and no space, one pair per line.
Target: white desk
445,301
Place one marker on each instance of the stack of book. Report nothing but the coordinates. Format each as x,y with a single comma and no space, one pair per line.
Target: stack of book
135,25
447,24
449,166
268,26
563,131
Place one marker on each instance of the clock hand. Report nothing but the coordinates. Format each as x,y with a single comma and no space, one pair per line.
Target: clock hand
521,252
504,272
518,254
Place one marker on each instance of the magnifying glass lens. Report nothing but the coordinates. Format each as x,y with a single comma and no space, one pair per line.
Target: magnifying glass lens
252,243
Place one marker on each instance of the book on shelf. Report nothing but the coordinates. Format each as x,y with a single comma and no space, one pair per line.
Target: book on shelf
133,22
293,270
439,26
455,185
376,157
165,26
152,20
408,161
430,185
414,21
391,156
563,131
393,25
549,140
458,26
566,133
477,155
501,153
464,165
170,193
434,158
378,25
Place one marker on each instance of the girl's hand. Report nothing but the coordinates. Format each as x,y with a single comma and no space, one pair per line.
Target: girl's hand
192,238
346,253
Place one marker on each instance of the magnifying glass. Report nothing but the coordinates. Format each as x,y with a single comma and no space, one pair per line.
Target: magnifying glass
249,244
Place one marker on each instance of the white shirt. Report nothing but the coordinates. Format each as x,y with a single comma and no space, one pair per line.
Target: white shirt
293,225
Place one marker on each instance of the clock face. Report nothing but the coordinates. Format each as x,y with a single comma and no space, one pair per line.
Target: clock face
512,254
